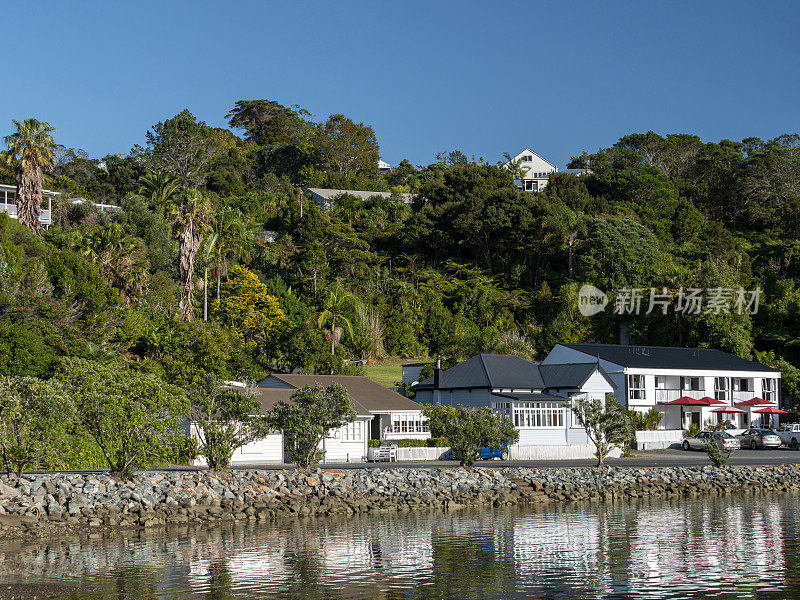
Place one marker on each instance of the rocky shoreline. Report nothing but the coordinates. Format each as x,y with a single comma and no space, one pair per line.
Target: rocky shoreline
42,504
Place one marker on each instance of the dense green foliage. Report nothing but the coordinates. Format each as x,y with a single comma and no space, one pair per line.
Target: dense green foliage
471,265
469,429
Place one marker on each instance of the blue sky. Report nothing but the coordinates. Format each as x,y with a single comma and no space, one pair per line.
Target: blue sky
484,78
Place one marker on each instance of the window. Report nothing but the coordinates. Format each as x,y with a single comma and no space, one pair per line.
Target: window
504,408
769,388
527,158
742,385
351,432
636,387
721,389
690,383
409,423
538,414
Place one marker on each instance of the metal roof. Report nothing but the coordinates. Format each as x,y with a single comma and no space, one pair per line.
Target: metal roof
369,397
489,371
571,375
669,357
534,397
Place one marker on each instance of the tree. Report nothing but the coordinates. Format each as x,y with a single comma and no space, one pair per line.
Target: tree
247,307
268,122
190,219
160,187
310,414
605,421
469,429
134,417
333,310
208,256
31,150
181,146
32,415
347,147
225,420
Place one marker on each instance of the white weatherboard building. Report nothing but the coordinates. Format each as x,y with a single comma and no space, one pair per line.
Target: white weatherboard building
651,376
532,396
536,171
8,195
381,414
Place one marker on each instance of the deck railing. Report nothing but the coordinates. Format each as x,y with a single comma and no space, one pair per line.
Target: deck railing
668,395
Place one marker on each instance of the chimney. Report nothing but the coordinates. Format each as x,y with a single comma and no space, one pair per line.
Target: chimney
624,334
437,371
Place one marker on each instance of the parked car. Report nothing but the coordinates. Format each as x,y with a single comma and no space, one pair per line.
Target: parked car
790,434
755,438
722,438
490,453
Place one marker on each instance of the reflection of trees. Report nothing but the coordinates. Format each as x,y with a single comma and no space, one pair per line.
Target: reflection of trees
219,581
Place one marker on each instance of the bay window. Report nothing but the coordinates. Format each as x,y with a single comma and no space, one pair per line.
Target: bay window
538,414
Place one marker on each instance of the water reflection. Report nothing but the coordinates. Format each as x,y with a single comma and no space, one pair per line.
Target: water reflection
721,547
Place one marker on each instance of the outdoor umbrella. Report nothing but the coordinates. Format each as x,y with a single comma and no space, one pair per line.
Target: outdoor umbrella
687,401
770,410
731,410
755,402
711,401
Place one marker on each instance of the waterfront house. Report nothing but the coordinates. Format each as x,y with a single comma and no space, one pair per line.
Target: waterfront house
654,376
381,414
531,395
8,195
536,171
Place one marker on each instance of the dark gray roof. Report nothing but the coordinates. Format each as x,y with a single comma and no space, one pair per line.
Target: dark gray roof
570,375
368,396
521,397
669,357
488,371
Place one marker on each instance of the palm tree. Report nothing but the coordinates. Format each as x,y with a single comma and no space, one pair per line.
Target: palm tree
333,311
514,166
233,240
161,187
31,149
191,222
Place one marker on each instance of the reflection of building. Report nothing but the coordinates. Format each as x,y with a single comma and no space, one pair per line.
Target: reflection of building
8,195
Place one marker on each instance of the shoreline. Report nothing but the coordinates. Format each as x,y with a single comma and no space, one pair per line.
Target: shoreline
72,503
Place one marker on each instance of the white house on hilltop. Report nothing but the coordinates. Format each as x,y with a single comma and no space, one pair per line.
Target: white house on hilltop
537,171
8,195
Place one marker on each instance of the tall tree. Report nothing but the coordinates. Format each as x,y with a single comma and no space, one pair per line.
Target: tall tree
190,223
333,312
31,151
348,147
268,122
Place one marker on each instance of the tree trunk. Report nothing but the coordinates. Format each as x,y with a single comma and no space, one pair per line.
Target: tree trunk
189,244
29,197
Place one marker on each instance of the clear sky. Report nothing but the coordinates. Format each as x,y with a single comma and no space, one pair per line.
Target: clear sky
481,77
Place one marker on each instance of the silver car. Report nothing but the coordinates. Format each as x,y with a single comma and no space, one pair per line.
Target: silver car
759,438
723,439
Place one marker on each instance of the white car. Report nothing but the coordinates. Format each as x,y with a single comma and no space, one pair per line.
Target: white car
724,439
790,434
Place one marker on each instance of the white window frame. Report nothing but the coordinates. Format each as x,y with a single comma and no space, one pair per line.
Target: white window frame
350,432
721,389
538,415
636,387
409,423
687,382
769,389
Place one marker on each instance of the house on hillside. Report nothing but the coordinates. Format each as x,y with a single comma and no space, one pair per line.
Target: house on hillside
536,171
381,413
687,385
531,395
8,195
322,197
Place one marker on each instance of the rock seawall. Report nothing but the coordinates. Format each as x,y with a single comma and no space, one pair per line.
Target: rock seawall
44,503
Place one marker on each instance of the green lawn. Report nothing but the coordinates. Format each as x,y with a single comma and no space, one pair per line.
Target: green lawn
387,374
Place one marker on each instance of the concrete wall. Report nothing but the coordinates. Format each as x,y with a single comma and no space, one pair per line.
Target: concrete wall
572,451
659,439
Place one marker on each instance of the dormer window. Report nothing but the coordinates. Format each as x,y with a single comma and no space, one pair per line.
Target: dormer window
527,158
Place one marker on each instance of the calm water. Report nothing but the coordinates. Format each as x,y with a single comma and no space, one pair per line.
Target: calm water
707,548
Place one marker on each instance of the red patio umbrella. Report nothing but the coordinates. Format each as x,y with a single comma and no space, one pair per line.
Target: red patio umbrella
687,401
711,401
771,410
754,402
731,410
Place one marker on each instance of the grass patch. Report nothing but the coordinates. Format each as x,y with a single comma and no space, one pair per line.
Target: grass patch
388,372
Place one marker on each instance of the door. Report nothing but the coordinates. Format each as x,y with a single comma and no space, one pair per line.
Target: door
696,418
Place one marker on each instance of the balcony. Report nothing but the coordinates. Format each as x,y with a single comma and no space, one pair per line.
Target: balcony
664,395
8,204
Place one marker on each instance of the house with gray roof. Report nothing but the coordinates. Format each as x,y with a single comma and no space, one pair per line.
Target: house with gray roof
654,376
531,395
324,196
